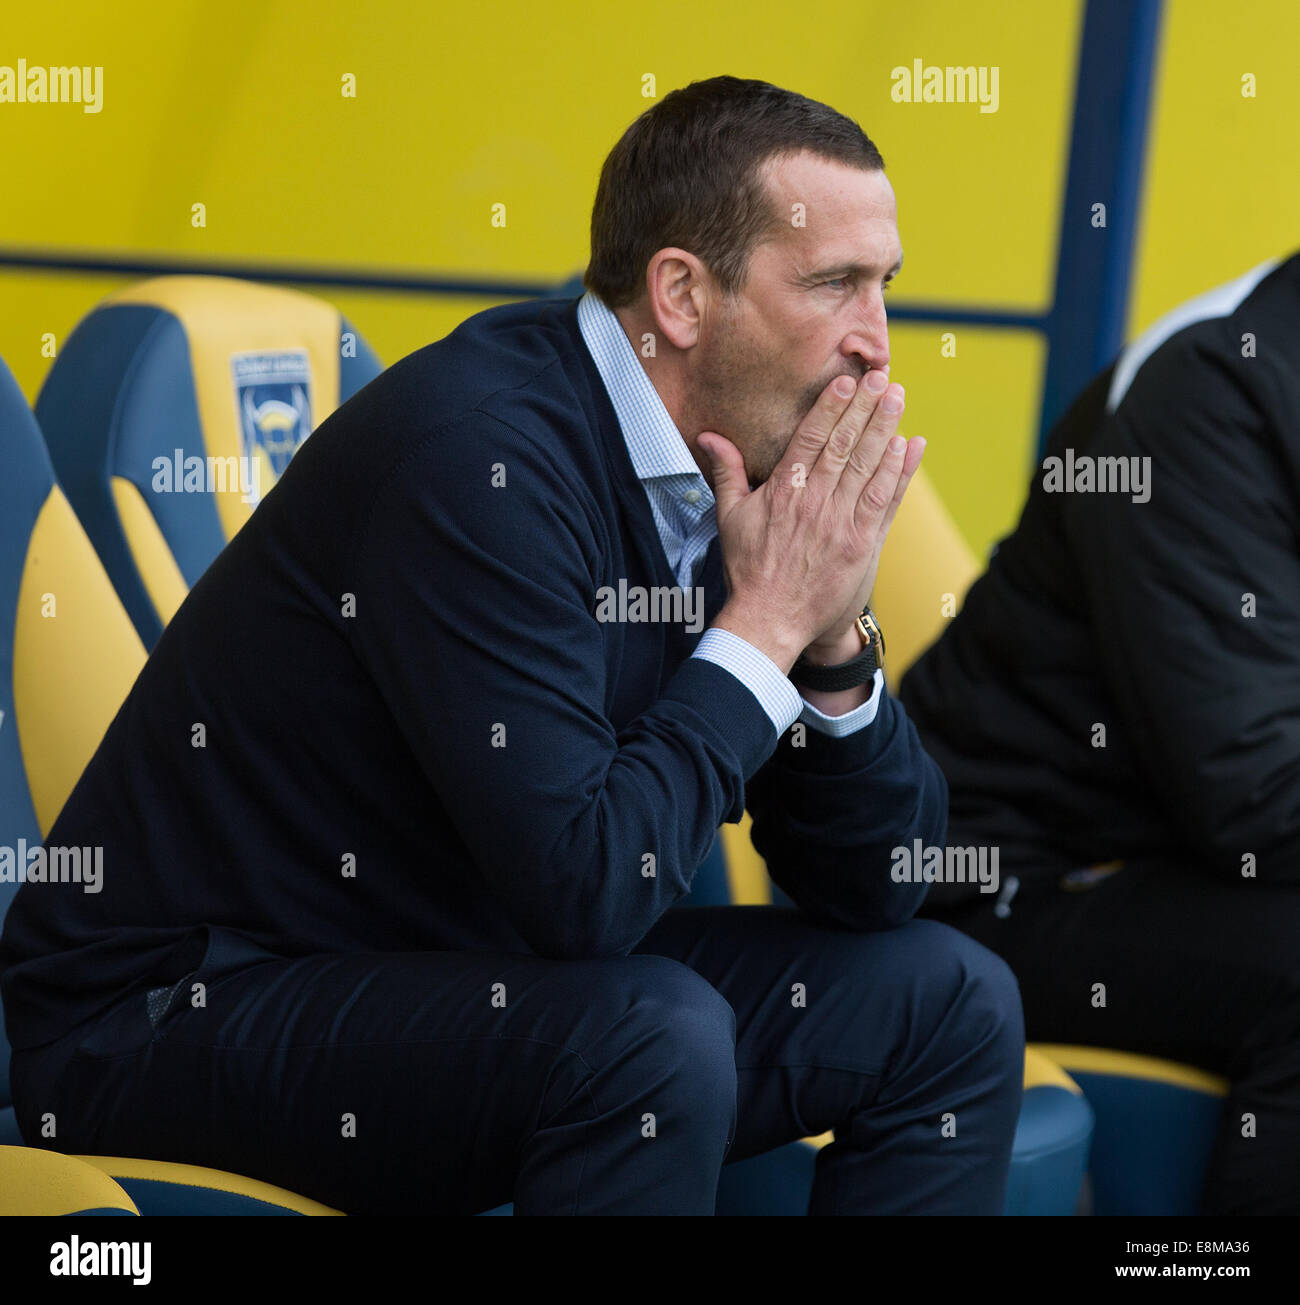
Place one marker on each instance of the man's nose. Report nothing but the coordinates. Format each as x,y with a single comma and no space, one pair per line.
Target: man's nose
870,351
869,340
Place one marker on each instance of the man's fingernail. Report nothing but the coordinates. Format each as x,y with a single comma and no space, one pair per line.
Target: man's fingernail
844,386
876,381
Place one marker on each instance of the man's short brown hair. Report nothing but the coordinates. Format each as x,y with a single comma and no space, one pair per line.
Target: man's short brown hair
689,173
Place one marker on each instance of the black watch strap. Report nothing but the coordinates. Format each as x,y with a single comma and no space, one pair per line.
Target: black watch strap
847,675
831,679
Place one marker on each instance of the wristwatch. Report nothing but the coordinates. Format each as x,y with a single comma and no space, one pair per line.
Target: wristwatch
847,675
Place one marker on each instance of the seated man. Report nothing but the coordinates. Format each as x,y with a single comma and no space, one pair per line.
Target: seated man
1117,709
396,930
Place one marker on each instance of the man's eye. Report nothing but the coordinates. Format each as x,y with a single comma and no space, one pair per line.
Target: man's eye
839,282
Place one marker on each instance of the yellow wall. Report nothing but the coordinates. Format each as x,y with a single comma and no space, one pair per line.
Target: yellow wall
1223,179
238,106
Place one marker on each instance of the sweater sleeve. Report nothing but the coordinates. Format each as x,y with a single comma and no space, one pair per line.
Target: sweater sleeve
475,576
829,812
1193,591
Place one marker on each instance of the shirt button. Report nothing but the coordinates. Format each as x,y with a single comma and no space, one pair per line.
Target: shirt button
692,496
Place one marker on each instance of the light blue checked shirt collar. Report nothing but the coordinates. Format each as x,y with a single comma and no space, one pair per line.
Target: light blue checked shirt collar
680,497
683,508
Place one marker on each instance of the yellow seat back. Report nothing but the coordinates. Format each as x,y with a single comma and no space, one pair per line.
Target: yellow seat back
925,570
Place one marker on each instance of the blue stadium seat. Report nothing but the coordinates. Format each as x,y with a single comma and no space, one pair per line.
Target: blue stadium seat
68,656
64,669
174,406
1156,1125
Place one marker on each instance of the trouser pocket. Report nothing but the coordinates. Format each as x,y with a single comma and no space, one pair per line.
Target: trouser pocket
227,953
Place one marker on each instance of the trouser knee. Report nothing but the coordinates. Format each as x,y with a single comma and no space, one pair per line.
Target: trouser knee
983,987
670,1044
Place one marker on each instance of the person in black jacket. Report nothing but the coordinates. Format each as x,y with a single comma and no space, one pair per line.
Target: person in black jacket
404,930
1117,709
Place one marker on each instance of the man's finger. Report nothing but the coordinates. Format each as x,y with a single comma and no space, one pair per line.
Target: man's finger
911,461
878,493
809,440
854,421
728,464
868,448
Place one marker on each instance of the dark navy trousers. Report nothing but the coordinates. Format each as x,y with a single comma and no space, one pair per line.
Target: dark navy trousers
452,1082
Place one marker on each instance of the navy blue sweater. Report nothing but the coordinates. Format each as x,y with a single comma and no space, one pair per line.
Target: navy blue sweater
417,735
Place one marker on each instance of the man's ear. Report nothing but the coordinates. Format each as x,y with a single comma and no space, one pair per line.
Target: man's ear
677,290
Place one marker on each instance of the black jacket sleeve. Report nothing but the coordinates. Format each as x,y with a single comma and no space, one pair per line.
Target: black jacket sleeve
1196,593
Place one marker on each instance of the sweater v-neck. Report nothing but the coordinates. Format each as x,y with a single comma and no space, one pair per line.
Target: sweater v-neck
618,460
631,493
